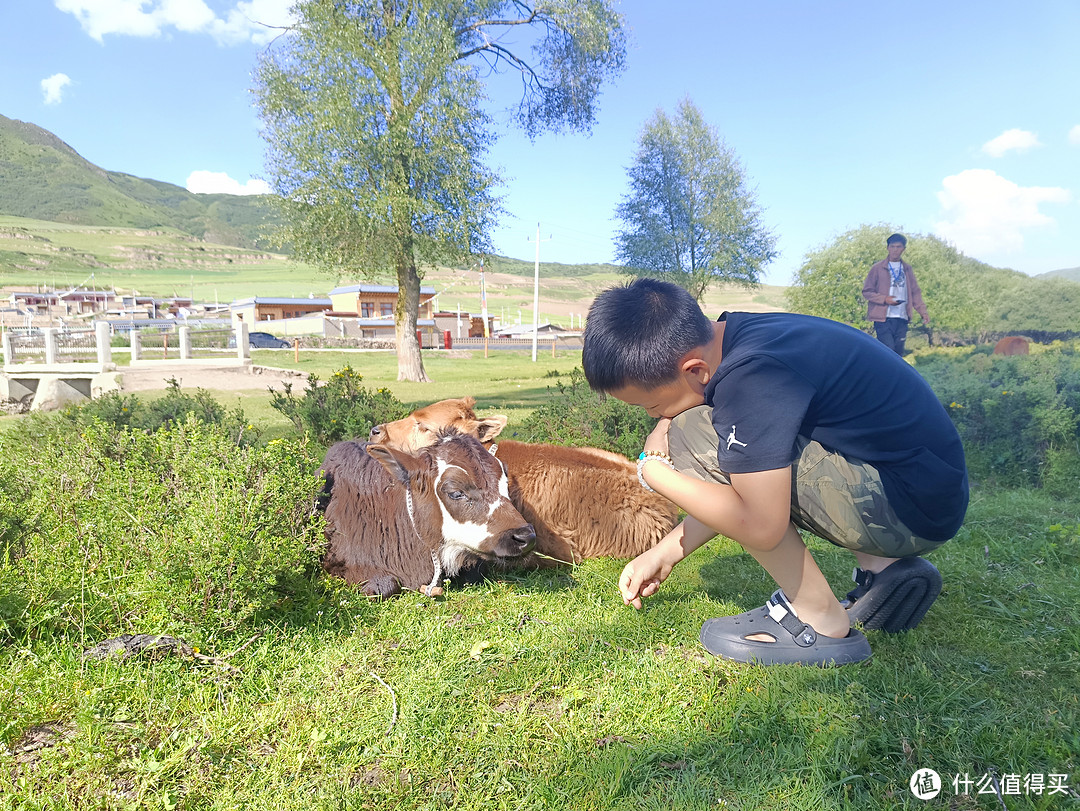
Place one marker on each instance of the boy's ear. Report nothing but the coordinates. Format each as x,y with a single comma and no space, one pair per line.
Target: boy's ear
696,366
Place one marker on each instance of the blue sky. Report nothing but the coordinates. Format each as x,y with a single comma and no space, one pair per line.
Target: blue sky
957,119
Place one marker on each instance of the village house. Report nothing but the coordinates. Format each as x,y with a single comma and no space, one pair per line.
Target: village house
363,311
258,309
376,301
463,325
73,302
137,307
526,330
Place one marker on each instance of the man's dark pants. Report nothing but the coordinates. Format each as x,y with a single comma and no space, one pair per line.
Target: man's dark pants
892,332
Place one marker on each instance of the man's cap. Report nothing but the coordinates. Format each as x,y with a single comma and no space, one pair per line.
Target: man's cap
897,238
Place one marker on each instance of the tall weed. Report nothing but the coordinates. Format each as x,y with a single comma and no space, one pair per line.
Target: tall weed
128,411
341,408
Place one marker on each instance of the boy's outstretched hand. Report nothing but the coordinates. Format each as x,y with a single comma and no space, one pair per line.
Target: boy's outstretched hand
642,576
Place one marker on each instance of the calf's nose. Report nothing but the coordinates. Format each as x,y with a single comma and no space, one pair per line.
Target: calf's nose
376,433
525,537
515,542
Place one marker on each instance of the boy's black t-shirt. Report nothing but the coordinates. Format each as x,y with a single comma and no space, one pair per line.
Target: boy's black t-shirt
783,375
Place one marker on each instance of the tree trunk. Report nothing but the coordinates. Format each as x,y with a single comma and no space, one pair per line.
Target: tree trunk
410,364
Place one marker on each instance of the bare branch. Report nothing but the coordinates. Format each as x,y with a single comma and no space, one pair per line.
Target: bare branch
502,53
480,24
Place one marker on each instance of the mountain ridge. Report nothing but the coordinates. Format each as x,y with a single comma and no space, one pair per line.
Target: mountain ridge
42,177
1070,274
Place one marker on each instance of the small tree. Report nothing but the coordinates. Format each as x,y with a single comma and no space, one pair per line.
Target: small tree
376,136
689,216
830,280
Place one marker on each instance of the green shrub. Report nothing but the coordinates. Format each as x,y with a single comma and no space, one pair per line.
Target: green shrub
178,531
12,495
1061,474
339,409
579,416
1017,416
128,411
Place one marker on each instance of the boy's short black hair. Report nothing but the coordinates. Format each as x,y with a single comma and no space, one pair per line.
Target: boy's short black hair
897,238
637,333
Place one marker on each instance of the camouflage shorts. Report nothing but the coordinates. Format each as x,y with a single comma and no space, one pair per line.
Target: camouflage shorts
837,498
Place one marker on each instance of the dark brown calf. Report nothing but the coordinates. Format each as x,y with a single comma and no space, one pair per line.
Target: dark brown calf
397,520
1013,345
583,502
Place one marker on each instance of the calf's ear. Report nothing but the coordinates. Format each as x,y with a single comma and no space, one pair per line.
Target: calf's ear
393,461
490,427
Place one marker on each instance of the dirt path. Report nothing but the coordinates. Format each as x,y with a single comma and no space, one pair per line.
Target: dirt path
222,378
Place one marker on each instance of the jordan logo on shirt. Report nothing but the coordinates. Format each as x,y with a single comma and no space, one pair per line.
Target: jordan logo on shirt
731,440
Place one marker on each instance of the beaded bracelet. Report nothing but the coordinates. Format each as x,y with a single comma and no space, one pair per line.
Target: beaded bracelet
644,457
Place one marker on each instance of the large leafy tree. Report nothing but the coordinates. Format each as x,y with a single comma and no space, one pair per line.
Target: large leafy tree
690,216
376,134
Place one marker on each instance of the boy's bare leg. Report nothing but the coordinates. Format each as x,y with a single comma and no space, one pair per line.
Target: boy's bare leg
872,563
793,568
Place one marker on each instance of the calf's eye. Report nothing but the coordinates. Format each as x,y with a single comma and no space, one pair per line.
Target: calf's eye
456,495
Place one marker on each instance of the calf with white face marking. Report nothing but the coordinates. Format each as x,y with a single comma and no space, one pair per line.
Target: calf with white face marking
582,502
397,520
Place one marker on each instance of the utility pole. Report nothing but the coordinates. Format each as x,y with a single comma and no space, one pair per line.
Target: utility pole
483,305
536,293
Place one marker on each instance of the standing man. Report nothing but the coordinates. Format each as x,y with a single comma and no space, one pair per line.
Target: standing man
893,293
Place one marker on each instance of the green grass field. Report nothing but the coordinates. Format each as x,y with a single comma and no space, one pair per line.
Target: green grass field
160,263
507,381
543,691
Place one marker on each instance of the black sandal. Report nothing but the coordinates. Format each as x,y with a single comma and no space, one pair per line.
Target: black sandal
794,642
896,598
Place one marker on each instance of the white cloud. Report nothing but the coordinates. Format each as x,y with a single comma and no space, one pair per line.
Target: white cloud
256,21
1074,135
985,213
1019,140
53,87
204,182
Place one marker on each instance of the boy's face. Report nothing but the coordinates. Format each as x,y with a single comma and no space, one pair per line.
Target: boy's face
665,400
896,250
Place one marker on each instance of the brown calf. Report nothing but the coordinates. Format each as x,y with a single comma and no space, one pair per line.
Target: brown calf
1013,345
397,520
583,502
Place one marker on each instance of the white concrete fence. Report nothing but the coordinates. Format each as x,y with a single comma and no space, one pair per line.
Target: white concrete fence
51,368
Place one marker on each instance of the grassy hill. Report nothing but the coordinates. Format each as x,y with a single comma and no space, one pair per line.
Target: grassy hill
43,178
1070,274
162,262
